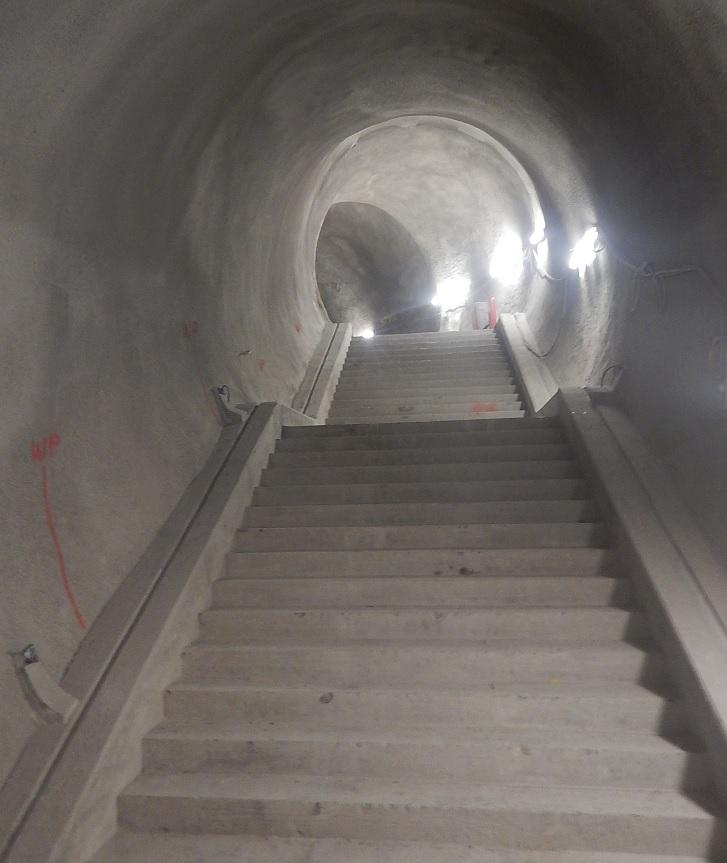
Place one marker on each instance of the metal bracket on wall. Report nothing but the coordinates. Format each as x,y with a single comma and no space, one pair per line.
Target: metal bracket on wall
227,416
49,701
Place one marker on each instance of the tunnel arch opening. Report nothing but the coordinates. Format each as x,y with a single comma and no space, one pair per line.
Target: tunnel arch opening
462,196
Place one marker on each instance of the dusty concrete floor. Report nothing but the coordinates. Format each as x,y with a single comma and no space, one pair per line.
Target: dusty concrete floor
166,169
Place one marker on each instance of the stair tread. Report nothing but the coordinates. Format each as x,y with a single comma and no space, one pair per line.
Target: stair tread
628,691
543,737
130,847
509,647
644,802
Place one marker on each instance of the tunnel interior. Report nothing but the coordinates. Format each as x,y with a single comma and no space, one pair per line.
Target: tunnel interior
190,191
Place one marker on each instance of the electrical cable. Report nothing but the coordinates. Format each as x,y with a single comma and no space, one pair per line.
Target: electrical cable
645,272
609,369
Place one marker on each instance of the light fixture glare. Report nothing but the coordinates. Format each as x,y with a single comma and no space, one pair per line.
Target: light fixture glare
368,333
452,292
506,263
585,251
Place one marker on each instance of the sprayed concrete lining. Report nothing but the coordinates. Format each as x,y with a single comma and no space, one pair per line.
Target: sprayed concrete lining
166,170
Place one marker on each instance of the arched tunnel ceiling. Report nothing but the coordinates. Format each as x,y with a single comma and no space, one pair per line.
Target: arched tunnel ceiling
454,190
161,185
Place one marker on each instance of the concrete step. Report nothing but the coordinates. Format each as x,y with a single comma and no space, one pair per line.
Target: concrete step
425,492
475,361
342,430
437,515
416,439
613,705
377,389
440,396
350,537
434,454
406,407
406,376
590,625
408,404
403,563
493,365
486,472
634,820
435,338
357,358
507,395
422,664
551,757
483,410
130,847
364,355
439,592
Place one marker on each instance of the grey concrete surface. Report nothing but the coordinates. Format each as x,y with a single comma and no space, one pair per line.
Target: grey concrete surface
168,164
417,692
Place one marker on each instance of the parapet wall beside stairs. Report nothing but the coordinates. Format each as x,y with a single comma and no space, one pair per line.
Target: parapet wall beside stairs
680,583
60,802
537,385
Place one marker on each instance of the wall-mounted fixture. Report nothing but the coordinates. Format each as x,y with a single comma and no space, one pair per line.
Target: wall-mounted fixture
368,333
585,251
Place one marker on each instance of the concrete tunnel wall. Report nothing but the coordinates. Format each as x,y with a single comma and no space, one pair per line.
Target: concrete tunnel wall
162,187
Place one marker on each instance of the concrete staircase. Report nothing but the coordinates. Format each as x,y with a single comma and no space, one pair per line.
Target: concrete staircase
425,376
423,651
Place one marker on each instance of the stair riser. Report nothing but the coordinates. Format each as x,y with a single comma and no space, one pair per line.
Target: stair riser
381,710
496,762
424,562
409,404
434,336
421,536
425,428
132,847
366,821
541,626
481,376
366,419
443,473
401,412
386,493
455,365
470,354
428,399
437,456
523,592
434,514
483,386
415,666
399,372
484,438
358,349
383,403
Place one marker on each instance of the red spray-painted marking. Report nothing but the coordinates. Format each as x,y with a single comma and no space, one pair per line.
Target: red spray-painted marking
493,313
261,364
483,407
45,447
40,450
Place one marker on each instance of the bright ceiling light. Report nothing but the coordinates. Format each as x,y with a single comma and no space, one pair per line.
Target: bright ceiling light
368,333
506,264
452,292
584,254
